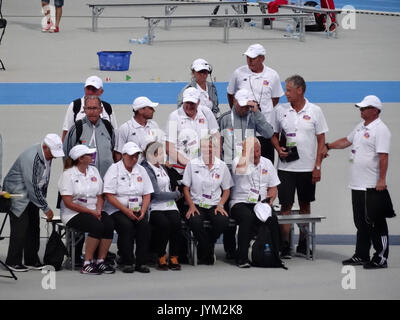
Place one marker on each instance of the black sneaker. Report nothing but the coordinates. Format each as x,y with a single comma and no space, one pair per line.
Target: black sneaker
243,264
375,265
90,268
18,268
301,250
36,266
105,268
127,268
142,269
286,251
354,261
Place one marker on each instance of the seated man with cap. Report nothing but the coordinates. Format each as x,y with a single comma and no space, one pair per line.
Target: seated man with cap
255,180
75,111
29,176
141,128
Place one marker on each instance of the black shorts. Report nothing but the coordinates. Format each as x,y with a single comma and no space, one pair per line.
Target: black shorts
292,181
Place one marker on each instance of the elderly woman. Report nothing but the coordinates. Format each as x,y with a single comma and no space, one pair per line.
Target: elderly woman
255,180
164,214
127,189
208,98
207,182
81,190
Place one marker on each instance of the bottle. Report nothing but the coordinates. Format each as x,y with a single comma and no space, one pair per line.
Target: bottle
267,250
133,40
289,28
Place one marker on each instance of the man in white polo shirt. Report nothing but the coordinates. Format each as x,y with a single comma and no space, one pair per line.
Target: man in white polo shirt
265,85
185,127
303,126
140,129
93,87
369,158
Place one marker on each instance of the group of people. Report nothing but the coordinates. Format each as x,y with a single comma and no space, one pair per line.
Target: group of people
142,181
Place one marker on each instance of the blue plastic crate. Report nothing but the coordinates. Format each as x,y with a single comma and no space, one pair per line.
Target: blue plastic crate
114,60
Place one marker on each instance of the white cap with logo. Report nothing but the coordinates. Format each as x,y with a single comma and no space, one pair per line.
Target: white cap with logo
142,102
201,64
191,95
80,150
130,148
255,50
243,96
94,81
53,141
370,101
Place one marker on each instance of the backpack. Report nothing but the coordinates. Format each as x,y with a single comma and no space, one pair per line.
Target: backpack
319,19
55,251
79,128
268,233
78,104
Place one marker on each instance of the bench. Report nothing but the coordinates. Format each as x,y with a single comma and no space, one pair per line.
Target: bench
294,218
152,21
169,8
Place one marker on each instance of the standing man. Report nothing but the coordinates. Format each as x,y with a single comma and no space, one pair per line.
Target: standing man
30,176
93,87
303,126
94,132
140,129
369,159
265,85
46,9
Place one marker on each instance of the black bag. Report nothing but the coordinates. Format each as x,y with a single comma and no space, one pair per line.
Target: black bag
5,204
379,204
319,19
268,233
55,251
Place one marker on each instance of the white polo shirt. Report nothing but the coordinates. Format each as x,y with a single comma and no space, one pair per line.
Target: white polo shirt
205,100
128,187
163,182
69,116
367,142
264,86
186,132
255,182
205,185
84,189
301,129
135,132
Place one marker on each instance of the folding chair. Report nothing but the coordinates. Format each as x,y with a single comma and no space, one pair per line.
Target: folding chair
1,262
3,24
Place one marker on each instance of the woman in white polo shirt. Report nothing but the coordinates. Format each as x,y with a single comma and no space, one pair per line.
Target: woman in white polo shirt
81,190
127,189
255,180
164,214
207,182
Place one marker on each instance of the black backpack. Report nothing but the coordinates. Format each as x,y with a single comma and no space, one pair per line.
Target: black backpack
319,19
55,251
78,105
268,233
79,128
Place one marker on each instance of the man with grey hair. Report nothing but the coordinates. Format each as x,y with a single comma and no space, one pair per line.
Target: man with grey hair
301,126
29,177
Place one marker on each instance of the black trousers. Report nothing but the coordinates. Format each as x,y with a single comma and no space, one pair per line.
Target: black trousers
98,229
207,237
369,232
166,227
267,149
248,225
24,237
128,232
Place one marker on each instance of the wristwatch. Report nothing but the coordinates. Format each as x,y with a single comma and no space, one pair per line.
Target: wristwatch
318,167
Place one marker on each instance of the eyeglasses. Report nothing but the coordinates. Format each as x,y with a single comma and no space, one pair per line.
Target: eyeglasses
91,108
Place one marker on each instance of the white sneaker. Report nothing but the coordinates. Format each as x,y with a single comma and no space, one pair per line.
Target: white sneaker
48,26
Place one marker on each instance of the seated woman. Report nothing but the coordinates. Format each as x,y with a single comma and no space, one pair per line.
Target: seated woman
203,180
255,180
127,189
81,190
164,214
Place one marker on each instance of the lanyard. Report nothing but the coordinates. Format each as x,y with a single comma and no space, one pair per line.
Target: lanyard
262,87
92,141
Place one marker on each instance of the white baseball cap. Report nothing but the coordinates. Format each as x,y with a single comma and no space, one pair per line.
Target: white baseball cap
200,64
191,95
142,102
255,50
130,148
53,141
243,96
94,81
80,150
370,101
263,211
